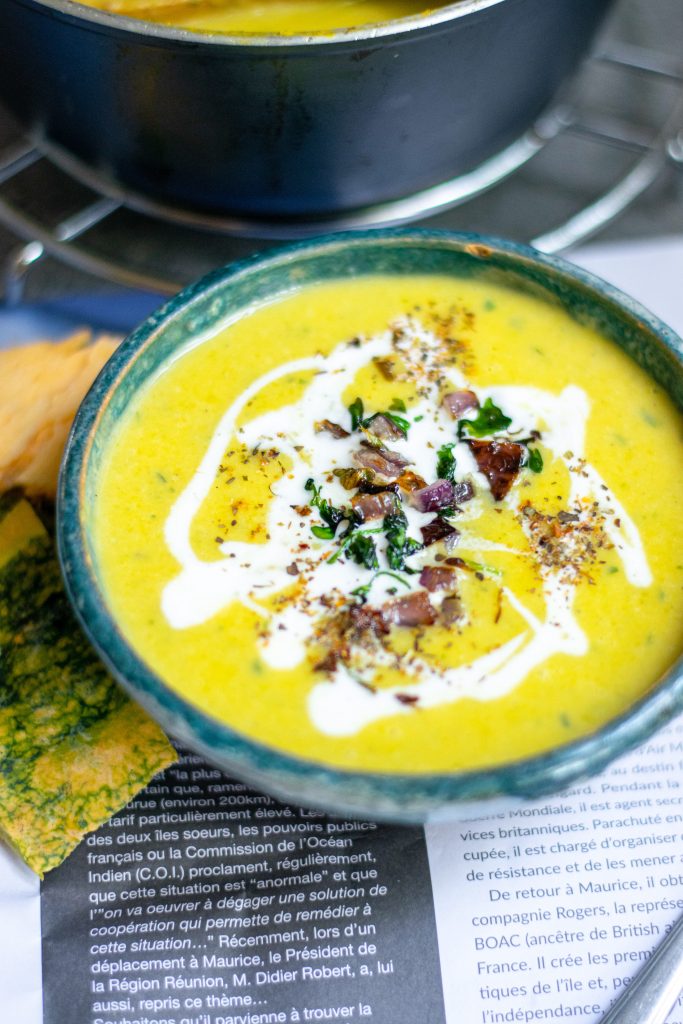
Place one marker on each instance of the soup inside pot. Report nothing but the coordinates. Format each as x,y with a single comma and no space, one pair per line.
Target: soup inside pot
288,17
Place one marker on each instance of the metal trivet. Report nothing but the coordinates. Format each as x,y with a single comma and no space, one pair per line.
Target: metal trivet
574,171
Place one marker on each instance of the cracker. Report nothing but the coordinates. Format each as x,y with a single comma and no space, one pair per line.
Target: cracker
41,387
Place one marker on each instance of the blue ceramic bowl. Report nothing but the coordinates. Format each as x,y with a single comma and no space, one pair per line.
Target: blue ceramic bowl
206,305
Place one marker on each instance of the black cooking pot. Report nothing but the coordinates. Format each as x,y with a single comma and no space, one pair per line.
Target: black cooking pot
270,126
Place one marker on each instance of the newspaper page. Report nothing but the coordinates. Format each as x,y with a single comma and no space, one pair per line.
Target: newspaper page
206,903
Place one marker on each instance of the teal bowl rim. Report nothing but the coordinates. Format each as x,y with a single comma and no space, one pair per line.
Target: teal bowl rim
403,797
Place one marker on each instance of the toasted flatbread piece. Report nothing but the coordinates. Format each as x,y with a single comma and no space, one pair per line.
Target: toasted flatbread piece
74,749
41,387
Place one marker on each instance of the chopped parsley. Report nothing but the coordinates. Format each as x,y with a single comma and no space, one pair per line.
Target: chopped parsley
356,412
398,405
359,546
399,545
534,460
323,532
445,462
487,570
489,420
362,550
400,422
360,421
365,589
330,515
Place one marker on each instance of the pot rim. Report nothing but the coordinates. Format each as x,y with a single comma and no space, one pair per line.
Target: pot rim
153,31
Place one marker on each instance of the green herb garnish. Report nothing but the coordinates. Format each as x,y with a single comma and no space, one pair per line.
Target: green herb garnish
348,539
445,462
330,515
359,421
398,405
364,590
399,422
487,570
323,532
399,545
490,420
361,549
534,460
356,412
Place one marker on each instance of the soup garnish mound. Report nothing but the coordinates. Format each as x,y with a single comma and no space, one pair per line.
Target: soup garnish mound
410,532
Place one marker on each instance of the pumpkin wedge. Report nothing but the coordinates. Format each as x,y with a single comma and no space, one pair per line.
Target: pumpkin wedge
74,749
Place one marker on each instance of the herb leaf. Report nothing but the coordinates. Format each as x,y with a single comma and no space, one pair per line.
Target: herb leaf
399,422
489,420
361,549
364,590
445,462
399,545
322,532
356,412
487,570
348,537
330,515
360,421
315,491
535,460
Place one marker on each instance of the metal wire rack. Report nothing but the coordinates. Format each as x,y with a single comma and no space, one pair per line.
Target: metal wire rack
614,132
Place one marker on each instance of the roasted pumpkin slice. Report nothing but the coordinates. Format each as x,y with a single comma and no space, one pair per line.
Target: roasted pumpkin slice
74,749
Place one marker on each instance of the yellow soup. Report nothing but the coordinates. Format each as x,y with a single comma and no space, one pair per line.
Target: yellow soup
403,524
287,17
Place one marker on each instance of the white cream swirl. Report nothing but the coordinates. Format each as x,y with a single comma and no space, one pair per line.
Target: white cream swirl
248,572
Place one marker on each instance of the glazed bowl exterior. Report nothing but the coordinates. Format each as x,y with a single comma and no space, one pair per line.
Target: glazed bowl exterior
288,127
224,295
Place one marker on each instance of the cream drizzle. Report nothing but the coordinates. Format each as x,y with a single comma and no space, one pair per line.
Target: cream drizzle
250,572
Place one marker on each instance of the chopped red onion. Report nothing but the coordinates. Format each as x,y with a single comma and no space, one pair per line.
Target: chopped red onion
430,499
462,492
381,426
374,506
413,610
384,463
459,402
437,577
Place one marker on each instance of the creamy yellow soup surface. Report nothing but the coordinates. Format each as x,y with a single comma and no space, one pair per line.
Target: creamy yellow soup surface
402,524
286,17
